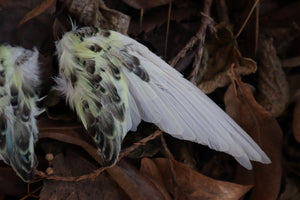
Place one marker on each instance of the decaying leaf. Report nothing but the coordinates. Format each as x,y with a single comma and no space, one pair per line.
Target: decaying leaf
133,182
273,89
74,164
188,184
264,129
95,13
219,52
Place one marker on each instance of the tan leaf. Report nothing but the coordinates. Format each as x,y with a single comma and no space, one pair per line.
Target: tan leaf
264,129
95,13
37,10
133,182
74,164
220,51
273,89
189,184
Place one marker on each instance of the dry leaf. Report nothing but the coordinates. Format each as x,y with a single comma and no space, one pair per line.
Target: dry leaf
273,89
37,10
95,13
138,4
133,183
291,190
264,129
74,164
219,52
189,184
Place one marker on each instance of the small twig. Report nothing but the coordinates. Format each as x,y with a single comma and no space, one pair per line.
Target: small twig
200,35
141,18
232,80
247,19
97,172
168,29
126,151
31,194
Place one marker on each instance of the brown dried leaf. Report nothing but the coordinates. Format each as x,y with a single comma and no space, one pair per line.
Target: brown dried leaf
264,129
74,164
138,4
95,13
219,53
189,183
37,10
273,89
296,121
133,183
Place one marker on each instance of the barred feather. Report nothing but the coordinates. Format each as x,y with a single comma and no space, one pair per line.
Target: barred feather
113,83
18,80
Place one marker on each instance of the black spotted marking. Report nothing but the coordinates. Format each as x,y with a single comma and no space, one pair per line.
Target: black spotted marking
102,89
140,72
84,63
2,81
95,48
90,67
105,33
115,71
115,95
14,101
14,91
2,73
3,127
108,151
1,61
99,105
97,78
85,105
73,79
102,69
25,114
23,140
100,139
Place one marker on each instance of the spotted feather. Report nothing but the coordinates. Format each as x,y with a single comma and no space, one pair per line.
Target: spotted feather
113,83
18,81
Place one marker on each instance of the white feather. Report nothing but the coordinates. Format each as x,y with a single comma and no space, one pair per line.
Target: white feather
179,108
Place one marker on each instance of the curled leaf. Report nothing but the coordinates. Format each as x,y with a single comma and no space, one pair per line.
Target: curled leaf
219,52
188,183
264,129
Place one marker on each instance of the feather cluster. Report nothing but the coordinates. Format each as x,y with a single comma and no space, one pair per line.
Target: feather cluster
113,82
19,77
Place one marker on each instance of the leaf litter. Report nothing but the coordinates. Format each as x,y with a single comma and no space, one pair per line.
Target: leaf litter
75,171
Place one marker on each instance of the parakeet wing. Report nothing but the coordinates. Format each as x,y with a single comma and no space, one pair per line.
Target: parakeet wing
18,81
181,109
148,89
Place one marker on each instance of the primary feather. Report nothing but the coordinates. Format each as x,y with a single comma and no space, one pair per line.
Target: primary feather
113,82
18,81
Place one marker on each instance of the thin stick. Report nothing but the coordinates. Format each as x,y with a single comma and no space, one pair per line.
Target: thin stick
168,29
247,19
97,172
200,35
